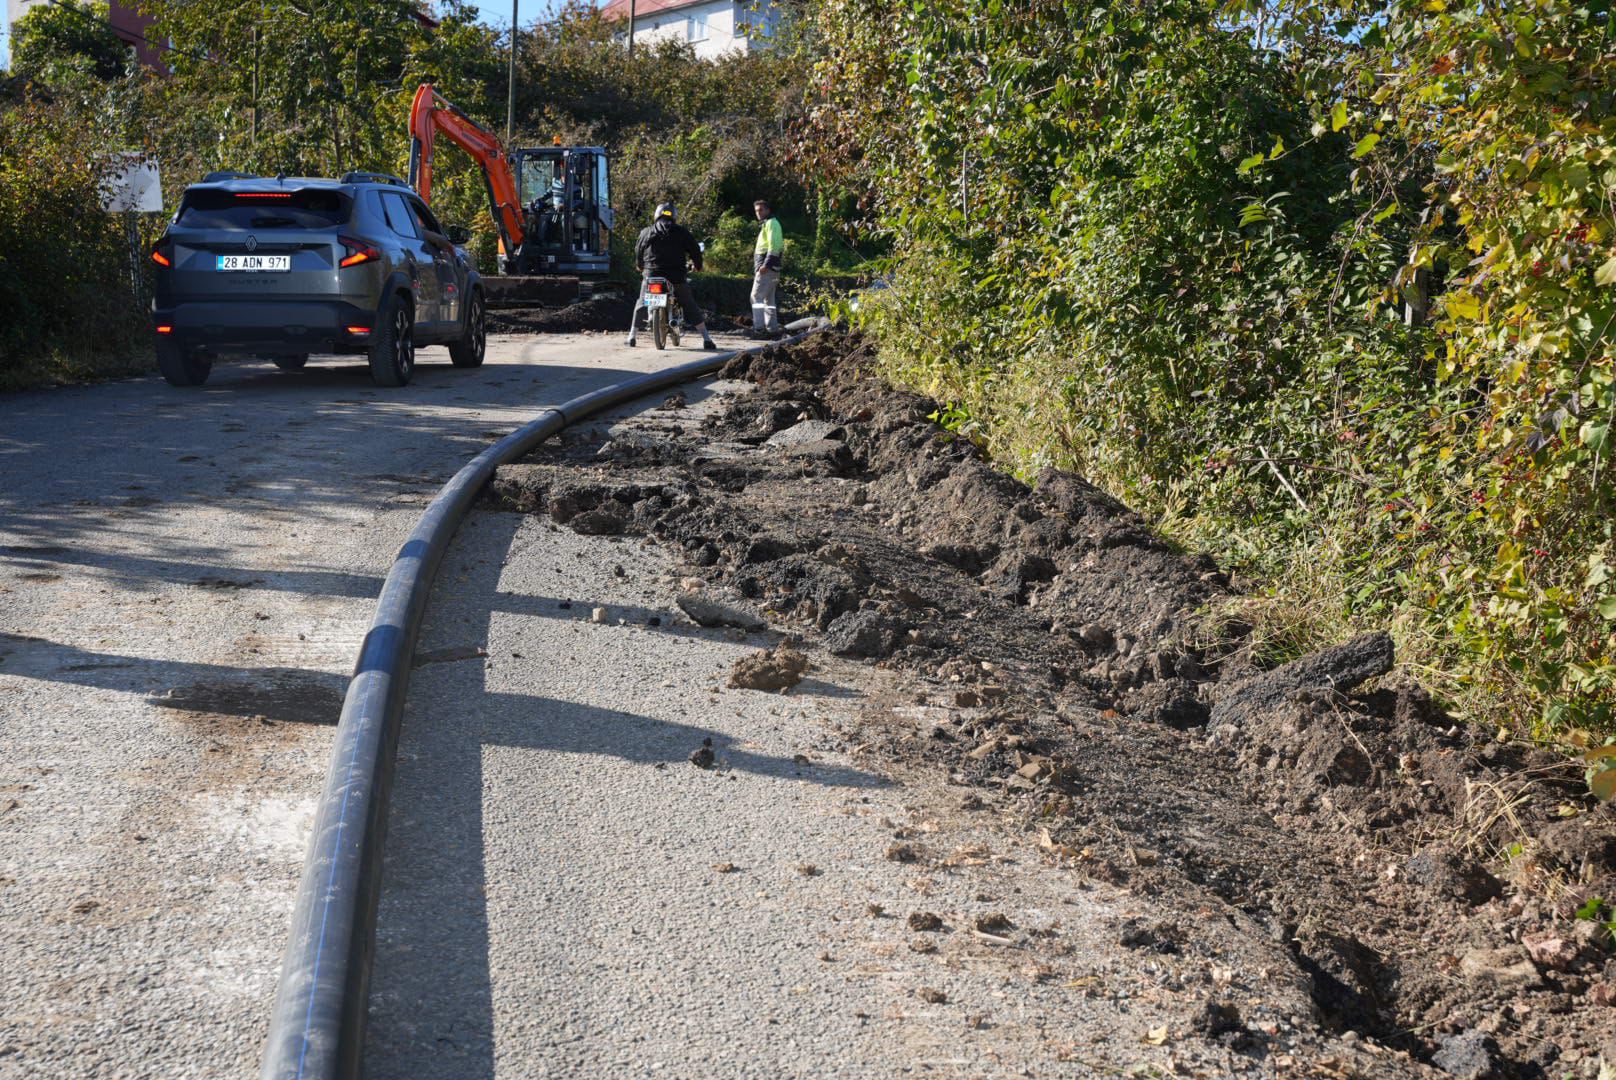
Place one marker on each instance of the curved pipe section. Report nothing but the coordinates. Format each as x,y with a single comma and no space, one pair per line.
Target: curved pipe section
317,1028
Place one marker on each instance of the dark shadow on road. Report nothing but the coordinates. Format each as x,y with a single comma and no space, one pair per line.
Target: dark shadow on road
526,722
205,568
288,695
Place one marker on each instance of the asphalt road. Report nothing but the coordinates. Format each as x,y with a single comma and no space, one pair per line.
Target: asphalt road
184,579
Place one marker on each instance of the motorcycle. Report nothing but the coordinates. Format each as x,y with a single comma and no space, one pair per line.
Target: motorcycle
662,311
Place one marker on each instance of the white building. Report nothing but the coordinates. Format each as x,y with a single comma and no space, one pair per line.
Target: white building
711,27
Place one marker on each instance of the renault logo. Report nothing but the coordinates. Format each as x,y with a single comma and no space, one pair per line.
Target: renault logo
252,243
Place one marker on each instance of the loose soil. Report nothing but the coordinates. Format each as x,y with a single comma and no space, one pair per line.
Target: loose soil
597,313
1074,673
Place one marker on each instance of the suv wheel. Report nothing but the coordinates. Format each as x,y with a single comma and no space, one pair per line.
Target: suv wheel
182,366
291,363
469,350
392,344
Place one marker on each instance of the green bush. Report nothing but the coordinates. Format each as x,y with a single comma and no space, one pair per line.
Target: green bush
724,294
68,285
1170,245
733,241
1508,524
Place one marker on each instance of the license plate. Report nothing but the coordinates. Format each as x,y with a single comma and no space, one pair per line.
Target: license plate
656,299
256,263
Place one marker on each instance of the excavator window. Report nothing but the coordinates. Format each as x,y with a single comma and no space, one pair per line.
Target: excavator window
538,174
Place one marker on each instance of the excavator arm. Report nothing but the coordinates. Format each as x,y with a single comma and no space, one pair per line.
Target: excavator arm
430,114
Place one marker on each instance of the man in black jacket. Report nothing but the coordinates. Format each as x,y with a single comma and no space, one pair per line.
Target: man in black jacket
661,251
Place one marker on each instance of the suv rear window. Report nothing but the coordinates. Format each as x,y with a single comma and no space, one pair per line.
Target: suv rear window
308,208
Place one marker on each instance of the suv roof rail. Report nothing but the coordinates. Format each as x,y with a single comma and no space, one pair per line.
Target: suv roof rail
372,178
228,174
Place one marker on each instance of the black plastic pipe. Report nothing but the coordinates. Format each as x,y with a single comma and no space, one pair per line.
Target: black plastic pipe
317,1028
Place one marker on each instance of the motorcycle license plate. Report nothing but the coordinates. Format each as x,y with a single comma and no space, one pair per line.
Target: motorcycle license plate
256,263
656,300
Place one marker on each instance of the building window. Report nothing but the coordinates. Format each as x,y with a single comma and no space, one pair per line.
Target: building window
696,27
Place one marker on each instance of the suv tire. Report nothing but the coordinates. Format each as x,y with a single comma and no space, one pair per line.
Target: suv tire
181,366
392,343
291,363
473,344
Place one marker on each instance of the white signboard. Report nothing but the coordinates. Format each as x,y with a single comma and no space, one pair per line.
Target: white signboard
132,183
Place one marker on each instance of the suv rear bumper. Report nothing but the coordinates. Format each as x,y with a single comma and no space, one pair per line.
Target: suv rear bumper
233,326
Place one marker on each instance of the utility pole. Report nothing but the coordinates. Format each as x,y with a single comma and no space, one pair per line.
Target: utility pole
631,6
510,82
255,87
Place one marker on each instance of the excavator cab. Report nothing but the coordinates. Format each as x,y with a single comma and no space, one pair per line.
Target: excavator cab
566,204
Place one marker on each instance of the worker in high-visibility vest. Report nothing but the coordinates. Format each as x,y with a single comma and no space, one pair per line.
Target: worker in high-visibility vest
766,261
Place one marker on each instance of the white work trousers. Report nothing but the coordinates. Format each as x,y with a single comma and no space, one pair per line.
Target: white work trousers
765,316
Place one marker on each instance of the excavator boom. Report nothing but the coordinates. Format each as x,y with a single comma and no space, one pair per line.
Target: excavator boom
431,113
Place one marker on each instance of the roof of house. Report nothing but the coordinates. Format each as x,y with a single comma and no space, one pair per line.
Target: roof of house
618,9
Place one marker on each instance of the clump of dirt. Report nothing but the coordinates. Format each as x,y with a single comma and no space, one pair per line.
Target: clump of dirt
597,313
776,669
1424,876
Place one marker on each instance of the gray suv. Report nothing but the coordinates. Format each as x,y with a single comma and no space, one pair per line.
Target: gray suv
283,267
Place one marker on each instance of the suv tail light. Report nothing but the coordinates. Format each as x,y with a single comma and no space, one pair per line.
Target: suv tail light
162,253
357,252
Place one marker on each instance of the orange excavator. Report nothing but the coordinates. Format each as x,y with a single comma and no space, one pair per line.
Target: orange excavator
550,204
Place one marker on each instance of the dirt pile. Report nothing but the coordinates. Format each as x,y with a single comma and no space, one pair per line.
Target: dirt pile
600,313
1424,878
779,668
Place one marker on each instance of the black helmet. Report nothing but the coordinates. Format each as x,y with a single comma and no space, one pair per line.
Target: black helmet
666,210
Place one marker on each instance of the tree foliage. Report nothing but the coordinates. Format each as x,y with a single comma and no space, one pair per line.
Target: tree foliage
54,42
1513,102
